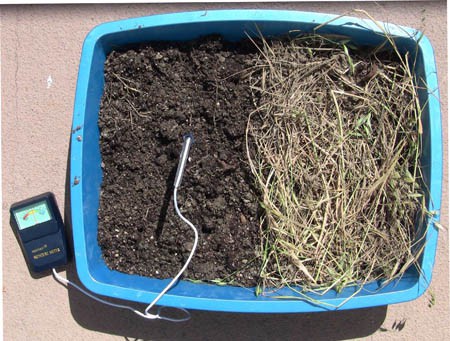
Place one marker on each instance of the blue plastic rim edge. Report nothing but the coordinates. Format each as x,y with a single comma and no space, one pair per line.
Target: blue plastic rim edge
79,203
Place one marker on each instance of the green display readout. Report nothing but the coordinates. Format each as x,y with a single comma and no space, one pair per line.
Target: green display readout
31,215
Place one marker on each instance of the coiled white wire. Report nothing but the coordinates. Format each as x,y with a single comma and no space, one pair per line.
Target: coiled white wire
147,314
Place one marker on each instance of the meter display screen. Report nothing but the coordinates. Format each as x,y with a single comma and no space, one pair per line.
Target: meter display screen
34,214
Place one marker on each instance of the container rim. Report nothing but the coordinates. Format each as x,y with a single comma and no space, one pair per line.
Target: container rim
78,202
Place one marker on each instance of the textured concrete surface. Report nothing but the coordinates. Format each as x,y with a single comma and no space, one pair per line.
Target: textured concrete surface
40,53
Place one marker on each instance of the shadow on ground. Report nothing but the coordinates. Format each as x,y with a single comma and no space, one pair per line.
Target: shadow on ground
206,325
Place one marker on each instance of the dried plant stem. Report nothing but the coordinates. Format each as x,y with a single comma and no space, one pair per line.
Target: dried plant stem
334,146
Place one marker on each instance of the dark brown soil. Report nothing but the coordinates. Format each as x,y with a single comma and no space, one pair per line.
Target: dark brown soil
153,96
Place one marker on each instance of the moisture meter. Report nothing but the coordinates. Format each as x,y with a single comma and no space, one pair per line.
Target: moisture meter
39,227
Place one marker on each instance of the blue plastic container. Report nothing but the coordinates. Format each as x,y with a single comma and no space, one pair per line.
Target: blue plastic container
85,158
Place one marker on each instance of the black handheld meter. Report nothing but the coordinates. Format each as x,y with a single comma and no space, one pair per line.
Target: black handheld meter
39,227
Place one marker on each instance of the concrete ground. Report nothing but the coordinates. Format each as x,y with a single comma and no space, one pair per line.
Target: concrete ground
40,51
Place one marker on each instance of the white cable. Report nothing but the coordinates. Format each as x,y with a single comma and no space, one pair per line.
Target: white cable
187,261
67,282
188,140
146,314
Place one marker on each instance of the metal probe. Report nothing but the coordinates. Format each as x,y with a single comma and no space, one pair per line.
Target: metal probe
188,140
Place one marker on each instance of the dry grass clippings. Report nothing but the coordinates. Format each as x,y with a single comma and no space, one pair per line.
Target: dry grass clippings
334,146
